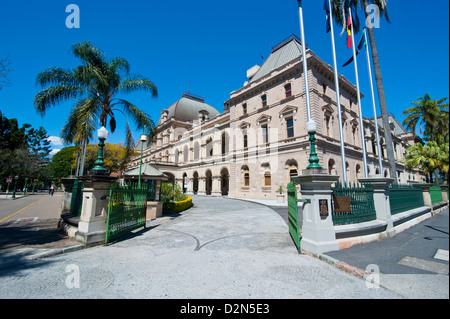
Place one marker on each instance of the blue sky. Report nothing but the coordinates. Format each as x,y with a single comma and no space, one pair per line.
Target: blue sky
209,45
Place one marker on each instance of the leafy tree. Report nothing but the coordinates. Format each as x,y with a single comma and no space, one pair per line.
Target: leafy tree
38,142
113,154
431,158
24,152
4,70
11,136
63,162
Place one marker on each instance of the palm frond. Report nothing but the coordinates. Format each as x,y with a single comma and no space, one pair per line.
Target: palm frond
55,94
81,122
140,118
138,83
56,76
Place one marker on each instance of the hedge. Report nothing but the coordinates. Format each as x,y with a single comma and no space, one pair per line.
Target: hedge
178,206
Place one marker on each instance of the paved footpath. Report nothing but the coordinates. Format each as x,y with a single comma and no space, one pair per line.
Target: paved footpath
221,248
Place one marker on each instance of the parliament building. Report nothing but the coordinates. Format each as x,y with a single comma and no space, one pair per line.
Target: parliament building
259,141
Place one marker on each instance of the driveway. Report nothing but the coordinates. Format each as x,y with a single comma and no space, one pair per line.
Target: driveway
220,248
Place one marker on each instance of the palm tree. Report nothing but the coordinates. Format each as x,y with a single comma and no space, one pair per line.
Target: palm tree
431,158
431,117
94,86
340,15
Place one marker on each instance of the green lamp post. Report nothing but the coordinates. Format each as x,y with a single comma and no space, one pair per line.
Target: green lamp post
14,190
311,128
98,168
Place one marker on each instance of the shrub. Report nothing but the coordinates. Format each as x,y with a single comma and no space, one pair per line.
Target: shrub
178,206
171,192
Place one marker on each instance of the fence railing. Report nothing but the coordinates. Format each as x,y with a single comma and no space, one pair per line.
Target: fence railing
352,204
405,197
436,194
126,210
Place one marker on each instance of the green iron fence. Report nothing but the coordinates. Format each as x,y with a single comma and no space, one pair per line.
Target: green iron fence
126,210
436,194
77,198
405,197
294,227
352,204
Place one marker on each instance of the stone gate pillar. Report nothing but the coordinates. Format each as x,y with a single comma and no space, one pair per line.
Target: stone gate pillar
94,211
318,234
380,187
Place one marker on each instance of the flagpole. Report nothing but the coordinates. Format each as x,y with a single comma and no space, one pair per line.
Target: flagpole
311,126
338,98
363,144
373,103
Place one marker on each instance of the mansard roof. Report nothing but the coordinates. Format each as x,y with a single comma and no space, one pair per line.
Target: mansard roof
283,53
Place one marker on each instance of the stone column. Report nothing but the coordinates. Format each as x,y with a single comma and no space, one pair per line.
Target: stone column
426,194
215,190
318,234
190,186
201,186
380,187
444,193
94,212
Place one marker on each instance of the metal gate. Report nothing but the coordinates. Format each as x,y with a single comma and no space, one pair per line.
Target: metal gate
76,199
294,226
126,210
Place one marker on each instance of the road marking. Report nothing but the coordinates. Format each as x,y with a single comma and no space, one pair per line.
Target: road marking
21,210
26,219
424,265
441,254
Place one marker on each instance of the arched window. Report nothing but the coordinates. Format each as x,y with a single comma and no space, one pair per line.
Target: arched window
331,167
358,171
292,167
246,175
209,147
374,145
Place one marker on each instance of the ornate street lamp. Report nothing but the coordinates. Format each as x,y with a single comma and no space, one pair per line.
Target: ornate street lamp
143,139
98,168
311,128
14,191
25,187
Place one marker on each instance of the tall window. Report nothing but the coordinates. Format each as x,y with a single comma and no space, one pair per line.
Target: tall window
290,127
267,177
264,100
244,108
265,133
245,138
246,174
287,90
246,179
327,123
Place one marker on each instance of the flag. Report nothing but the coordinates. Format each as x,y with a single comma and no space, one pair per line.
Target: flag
326,7
361,45
349,33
